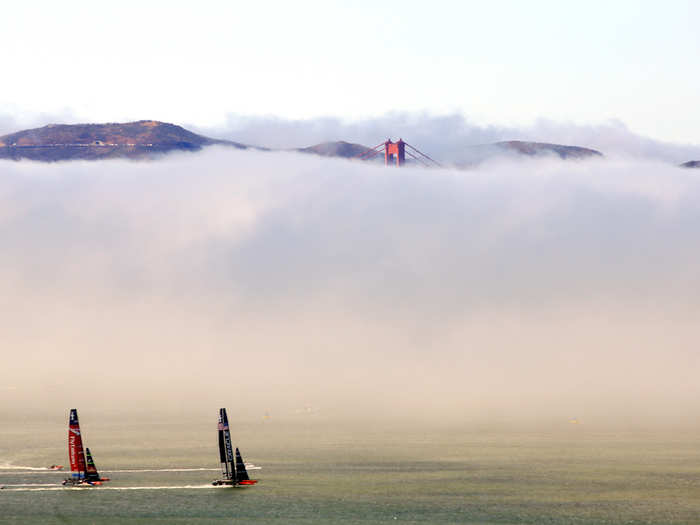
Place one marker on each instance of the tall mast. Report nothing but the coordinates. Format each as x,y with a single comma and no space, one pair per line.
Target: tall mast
76,454
225,449
222,449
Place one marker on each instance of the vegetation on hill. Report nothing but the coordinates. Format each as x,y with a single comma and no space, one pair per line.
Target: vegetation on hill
141,139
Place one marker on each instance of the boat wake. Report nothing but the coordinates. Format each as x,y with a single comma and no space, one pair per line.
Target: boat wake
162,470
36,488
13,469
8,466
163,487
37,471
5,485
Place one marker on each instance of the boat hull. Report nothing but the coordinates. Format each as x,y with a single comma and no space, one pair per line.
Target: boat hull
231,483
82,483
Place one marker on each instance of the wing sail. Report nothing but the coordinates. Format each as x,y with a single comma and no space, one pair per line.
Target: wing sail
91,473
225,448
241,472
76,454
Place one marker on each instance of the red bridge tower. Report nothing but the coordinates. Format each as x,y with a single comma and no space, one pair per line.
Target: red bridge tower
395,153
395,150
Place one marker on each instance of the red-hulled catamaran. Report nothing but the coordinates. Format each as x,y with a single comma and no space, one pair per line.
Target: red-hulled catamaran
233,471
83,470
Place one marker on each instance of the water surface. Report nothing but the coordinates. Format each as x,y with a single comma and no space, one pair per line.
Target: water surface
318,471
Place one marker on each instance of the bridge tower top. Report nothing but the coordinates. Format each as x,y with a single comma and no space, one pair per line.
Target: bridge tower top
395,152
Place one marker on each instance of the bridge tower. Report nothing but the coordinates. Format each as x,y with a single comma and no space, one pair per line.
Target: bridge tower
395,152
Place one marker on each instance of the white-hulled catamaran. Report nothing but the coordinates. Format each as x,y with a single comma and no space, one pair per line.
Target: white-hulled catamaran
83,470
233,471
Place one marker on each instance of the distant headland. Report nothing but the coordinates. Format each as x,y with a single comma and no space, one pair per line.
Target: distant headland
147,139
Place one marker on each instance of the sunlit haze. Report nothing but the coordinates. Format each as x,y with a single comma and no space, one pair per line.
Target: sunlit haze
519,290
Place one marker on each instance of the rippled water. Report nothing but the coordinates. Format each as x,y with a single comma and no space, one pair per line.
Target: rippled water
319,472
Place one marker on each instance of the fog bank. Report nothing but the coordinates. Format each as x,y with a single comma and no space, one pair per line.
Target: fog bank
286,283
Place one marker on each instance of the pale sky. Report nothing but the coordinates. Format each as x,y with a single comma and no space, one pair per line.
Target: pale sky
500,62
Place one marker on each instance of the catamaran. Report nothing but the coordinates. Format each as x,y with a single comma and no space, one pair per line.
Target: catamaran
82,466
233,471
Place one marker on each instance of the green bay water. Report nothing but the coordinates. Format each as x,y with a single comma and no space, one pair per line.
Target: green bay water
319,471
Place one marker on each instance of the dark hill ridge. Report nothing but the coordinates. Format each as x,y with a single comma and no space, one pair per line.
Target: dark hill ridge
141,139
545,148
691,164
475,155
346,150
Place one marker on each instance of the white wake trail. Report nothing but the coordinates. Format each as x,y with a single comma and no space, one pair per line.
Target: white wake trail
163,470
36,471
200,469
5,485
60,487
8,466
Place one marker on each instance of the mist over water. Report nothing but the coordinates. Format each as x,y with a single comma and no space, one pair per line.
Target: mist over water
518,291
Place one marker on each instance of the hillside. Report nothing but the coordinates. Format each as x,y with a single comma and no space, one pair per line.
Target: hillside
142,139
340,148
691,164
545,148
474,155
